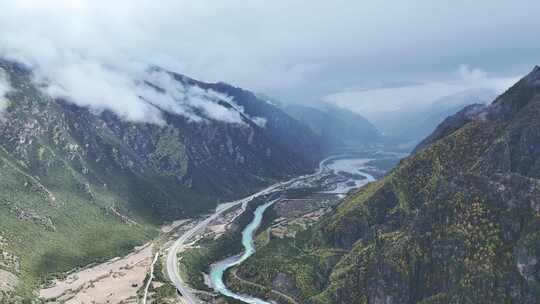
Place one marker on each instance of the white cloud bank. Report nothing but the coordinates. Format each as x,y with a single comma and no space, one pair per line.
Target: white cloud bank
375,103
292,49
88,52
132,93
188,100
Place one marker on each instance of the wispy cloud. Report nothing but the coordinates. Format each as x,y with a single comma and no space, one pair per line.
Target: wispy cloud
193,102
279,48
135,94
474,78
5,87
93,58
91,84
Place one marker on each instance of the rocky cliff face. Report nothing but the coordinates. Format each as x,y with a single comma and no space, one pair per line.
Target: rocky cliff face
78,185
457,222
209,158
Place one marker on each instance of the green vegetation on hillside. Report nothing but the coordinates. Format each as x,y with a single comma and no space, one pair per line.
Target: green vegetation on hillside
457,222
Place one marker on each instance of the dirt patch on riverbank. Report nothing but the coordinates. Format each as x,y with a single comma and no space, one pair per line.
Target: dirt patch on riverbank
172,226
8,281
113,282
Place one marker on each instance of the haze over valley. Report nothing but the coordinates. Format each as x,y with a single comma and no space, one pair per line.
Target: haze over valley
278,152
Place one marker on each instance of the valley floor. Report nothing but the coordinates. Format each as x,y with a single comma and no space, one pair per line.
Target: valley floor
203,242
115,281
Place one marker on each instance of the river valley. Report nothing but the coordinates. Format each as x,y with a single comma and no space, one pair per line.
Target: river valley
300,201
336,175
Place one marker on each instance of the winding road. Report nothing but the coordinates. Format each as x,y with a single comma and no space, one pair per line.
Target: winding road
173,270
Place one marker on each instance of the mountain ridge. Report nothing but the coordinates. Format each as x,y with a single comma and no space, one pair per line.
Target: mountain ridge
337,128
78,186
456,222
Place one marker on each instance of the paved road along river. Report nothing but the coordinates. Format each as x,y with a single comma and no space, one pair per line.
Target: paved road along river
338,163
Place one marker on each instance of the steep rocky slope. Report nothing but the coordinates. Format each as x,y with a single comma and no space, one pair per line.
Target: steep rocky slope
78,185
456,222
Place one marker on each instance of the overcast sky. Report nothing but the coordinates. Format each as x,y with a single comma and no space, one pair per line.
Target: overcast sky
300,51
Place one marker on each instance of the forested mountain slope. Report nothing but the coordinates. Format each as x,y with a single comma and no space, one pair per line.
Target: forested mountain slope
79,185
456,222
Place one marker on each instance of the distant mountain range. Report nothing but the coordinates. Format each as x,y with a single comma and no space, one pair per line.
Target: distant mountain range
338,128
410,126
